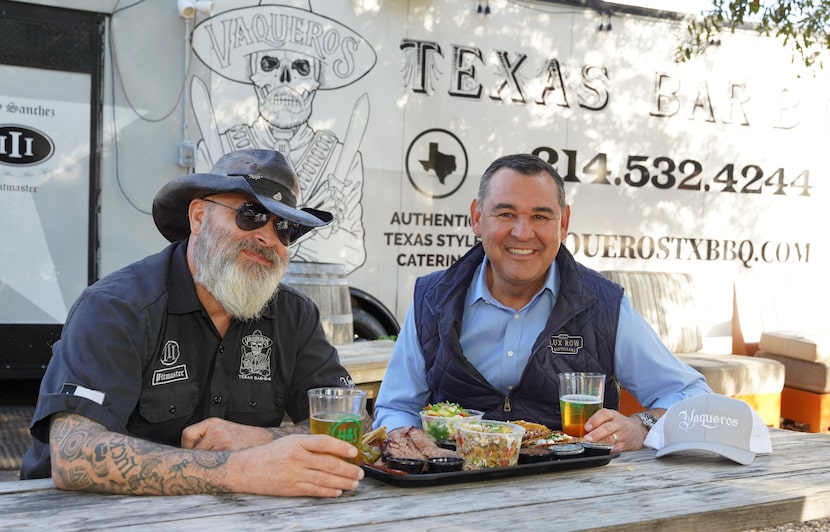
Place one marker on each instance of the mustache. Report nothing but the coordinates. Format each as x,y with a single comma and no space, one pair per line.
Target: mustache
250,245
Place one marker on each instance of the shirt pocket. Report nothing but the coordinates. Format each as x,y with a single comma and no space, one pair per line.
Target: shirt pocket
169,401
256,404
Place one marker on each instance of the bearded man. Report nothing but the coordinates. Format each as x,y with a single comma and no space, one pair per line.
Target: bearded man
172,375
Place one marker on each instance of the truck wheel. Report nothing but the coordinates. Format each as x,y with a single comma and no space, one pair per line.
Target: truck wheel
366,327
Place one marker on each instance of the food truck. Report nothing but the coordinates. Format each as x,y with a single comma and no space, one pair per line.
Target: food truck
390,111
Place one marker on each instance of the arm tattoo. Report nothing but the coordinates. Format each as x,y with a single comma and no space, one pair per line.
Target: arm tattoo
86,456
286,430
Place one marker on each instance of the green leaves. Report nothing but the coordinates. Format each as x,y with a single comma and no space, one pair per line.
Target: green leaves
800,24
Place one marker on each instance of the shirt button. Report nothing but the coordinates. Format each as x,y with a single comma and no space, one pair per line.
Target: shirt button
217,399
510,353
252,404
221,348
171,409
515,316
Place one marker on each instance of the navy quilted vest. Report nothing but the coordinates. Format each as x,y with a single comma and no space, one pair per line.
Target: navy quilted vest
578,336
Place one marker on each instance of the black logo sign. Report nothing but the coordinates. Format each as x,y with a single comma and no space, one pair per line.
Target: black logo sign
23,146
564,344
436,163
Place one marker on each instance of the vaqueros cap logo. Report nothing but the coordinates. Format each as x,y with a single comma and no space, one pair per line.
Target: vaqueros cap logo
711,422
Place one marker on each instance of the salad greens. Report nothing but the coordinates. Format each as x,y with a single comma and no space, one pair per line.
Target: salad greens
438,419
445,409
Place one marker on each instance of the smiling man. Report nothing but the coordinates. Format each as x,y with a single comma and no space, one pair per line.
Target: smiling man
493,331
173,374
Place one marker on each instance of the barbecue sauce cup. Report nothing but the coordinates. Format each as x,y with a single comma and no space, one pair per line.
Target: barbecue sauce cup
535,455
444,464
407,465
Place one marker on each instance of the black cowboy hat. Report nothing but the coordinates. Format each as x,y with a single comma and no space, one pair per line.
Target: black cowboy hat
264,175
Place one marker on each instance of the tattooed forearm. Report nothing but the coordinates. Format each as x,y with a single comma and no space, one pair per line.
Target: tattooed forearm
86,456
300,428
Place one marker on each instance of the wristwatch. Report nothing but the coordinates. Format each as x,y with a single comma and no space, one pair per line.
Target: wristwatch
647,418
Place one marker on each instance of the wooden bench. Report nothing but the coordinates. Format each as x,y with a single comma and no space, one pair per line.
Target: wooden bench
666,300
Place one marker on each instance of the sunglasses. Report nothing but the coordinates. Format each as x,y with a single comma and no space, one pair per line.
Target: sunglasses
250,216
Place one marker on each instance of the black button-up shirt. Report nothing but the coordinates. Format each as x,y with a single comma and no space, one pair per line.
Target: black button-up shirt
140,355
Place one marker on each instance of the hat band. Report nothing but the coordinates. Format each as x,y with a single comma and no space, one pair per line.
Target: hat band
269,188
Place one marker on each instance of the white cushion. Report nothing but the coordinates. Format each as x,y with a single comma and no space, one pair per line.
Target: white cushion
737,374
809,376
803,345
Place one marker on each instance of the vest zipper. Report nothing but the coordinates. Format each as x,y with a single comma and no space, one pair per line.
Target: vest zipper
507,407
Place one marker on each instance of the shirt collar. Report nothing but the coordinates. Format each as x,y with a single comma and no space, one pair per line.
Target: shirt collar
181,289
479,292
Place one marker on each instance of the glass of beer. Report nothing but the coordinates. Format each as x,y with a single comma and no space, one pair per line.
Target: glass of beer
580,396
338,412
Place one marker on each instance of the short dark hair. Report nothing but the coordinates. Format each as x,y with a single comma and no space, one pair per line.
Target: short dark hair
524,163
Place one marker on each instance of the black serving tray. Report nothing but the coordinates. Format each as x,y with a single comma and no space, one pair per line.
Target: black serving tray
405,480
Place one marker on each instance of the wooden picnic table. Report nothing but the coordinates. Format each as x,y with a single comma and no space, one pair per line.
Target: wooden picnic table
635,491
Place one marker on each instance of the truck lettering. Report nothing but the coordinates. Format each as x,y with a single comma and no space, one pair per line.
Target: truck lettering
594,81
422,74
430,219
420,61
787,118
553,84
464,72
666,102
507,72
428,260
279,29
408,239
466,240
649,247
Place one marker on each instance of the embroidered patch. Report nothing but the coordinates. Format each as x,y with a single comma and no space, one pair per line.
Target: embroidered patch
80,391
564,344
168,375
256,357
170,353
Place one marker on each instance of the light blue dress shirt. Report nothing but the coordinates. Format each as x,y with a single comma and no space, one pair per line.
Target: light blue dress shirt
498,340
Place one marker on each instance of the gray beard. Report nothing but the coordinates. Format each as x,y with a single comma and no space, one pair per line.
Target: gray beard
243,289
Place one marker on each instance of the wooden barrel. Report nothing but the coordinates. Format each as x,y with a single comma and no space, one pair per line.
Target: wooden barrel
326,284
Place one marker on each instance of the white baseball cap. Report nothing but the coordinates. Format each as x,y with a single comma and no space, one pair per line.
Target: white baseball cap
711,422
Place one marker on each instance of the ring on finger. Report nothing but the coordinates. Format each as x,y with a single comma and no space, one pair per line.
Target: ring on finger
616,439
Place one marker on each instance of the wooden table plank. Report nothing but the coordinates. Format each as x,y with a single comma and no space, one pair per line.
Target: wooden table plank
635,491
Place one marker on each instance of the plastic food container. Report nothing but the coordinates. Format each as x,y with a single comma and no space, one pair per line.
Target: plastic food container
485,443
563,451
534,455
444,464
407,465
442,427
596,449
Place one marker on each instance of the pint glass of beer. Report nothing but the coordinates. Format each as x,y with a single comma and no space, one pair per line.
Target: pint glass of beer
580,396
338,412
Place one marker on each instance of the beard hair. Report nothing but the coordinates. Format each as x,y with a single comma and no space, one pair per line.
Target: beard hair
244,288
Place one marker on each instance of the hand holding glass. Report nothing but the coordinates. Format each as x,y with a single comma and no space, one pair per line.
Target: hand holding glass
338,412
580,397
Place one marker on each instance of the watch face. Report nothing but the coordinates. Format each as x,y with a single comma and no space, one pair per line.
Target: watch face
648,419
